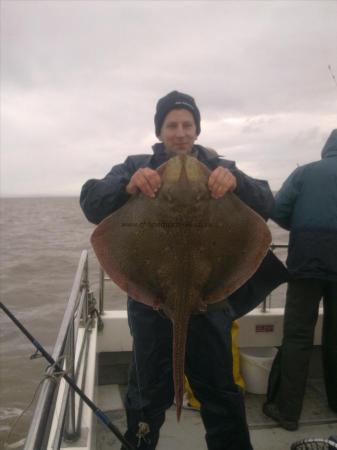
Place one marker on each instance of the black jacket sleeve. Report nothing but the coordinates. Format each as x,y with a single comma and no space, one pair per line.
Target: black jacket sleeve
99,198
255,193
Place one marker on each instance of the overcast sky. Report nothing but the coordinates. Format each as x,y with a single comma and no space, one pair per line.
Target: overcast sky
80,81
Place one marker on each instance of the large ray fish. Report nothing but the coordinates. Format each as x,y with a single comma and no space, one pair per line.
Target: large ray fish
182,249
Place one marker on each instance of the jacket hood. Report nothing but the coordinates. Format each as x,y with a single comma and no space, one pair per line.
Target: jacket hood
330,147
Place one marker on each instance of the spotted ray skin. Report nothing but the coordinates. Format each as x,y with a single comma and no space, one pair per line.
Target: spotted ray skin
181,250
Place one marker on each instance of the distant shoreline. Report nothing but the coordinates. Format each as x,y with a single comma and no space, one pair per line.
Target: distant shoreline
24,197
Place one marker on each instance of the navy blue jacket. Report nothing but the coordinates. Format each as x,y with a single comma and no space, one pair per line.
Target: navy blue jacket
307,206
99,198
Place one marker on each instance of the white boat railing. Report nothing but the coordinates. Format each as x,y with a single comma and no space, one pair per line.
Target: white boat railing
78,315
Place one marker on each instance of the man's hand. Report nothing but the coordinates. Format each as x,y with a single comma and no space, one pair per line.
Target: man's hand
145,180
221,181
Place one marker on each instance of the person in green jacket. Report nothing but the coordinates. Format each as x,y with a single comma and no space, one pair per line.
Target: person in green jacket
307,206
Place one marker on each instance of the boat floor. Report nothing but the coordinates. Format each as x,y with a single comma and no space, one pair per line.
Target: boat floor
317,421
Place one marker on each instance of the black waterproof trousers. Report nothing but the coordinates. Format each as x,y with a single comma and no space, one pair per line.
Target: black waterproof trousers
208,367
289,372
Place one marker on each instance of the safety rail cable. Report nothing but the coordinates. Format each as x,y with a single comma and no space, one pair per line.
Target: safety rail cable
38,433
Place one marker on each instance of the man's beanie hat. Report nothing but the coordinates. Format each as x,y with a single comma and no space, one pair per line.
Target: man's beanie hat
175,100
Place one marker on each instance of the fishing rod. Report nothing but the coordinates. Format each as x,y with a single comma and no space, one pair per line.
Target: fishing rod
98,413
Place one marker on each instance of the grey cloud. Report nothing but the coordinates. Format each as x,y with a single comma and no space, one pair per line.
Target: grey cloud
81,80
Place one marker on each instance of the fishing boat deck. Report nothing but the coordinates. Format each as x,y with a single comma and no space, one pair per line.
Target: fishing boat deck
317,421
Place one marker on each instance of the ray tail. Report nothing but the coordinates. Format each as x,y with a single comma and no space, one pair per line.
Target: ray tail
178,357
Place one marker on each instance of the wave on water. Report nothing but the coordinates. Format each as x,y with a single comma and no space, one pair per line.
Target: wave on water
13,445
9,413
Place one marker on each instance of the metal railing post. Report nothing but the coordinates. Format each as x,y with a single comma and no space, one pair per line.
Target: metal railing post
85,286
70,424
101,291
